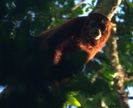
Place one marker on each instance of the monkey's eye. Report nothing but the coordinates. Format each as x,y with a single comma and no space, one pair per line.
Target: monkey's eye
103,21
98,24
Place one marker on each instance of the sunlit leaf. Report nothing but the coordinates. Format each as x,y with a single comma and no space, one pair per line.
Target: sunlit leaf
73,101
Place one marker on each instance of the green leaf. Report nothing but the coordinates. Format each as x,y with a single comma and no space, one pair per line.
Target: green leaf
130,4
73,101
74,93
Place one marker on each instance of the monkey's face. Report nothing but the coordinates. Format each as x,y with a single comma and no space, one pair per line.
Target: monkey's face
93,31
96,29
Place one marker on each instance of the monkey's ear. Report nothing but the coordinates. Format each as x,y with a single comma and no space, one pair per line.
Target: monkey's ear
104,21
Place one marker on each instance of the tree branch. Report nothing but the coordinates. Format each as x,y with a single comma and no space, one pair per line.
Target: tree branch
107,7
129,76
79,4
112,55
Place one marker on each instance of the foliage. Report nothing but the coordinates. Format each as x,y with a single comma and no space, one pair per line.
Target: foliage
92,88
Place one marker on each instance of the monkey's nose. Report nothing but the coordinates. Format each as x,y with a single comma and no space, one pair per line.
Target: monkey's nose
96,29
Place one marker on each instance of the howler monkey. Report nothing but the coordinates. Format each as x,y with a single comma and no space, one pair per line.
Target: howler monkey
72,44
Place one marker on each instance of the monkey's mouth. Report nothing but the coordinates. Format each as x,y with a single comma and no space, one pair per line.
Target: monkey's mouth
98,36
95,34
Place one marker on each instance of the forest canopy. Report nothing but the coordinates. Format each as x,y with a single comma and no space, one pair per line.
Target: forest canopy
96,85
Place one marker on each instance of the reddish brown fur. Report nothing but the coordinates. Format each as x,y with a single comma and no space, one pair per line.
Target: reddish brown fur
60,42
